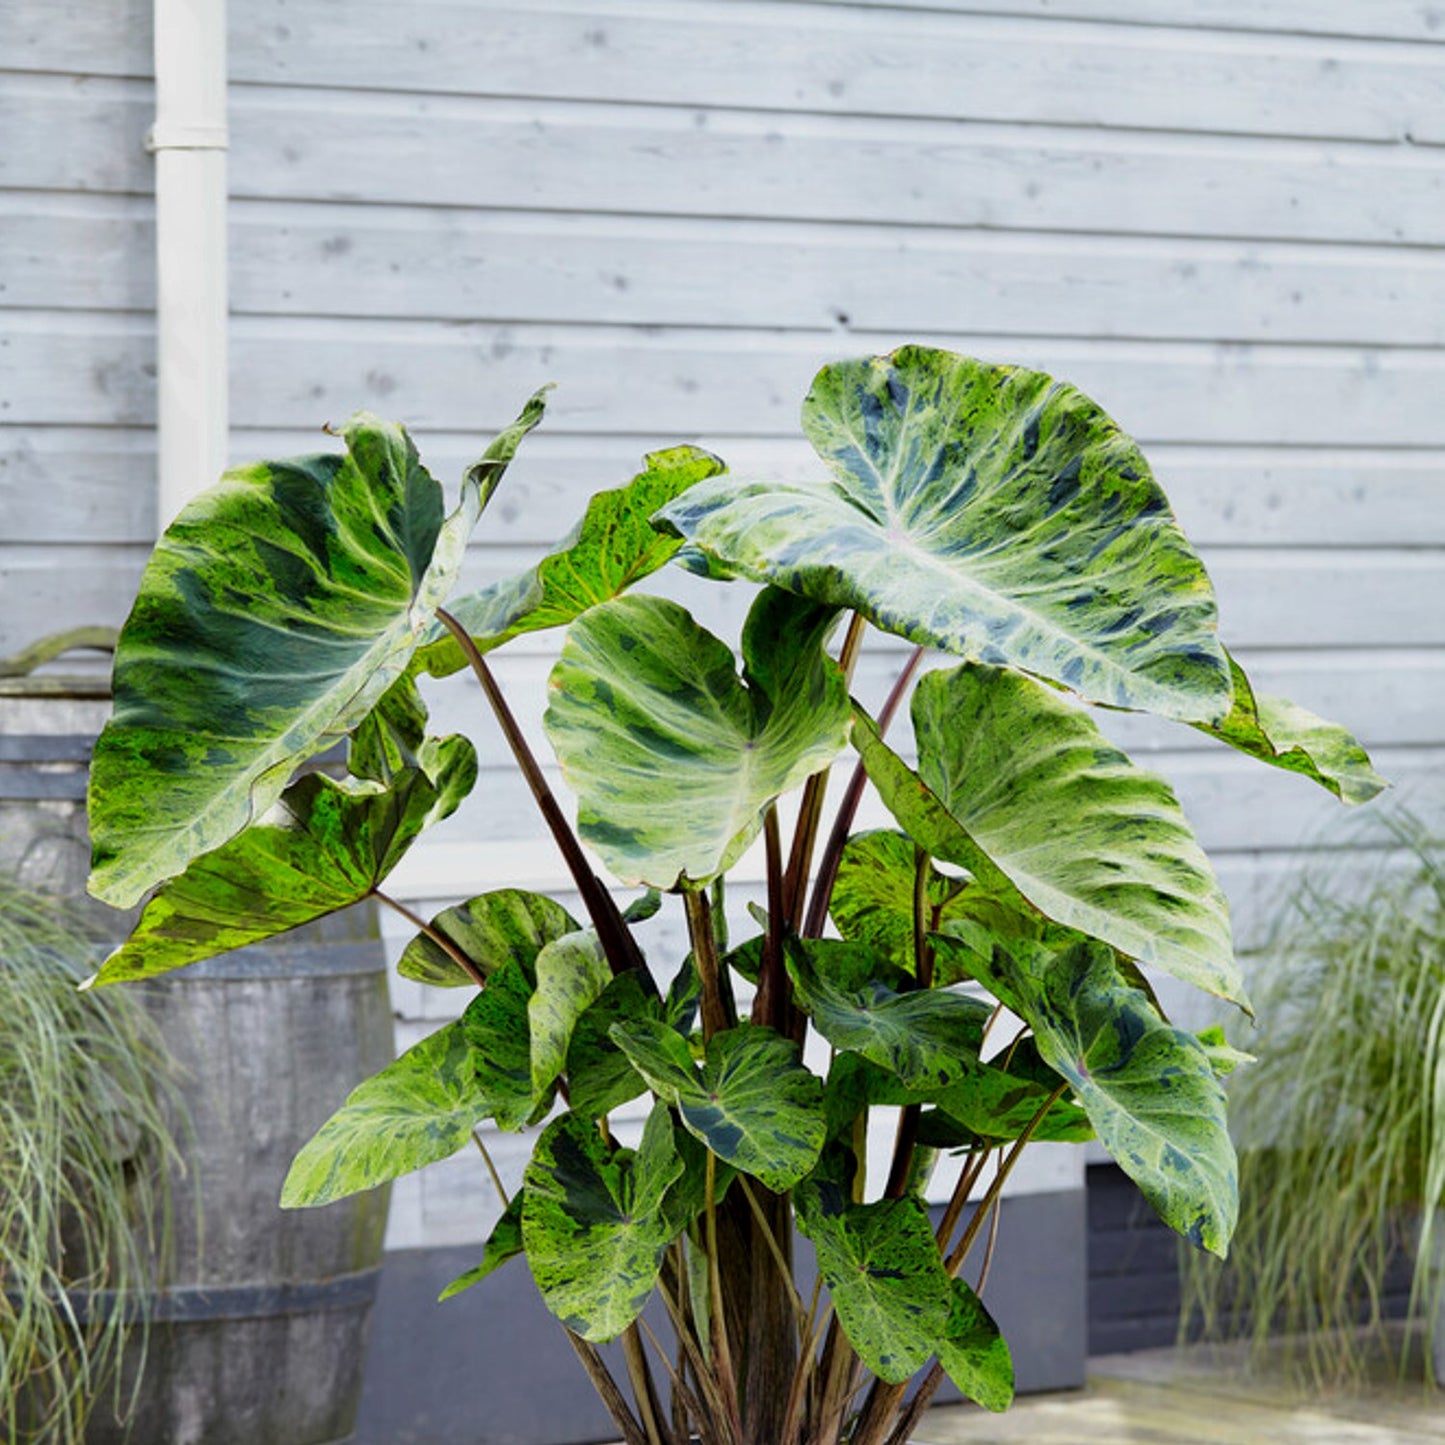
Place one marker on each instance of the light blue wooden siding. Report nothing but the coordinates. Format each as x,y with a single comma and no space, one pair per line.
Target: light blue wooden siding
1224,218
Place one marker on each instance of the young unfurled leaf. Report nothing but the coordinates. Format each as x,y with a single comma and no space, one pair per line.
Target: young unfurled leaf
1023,790
504,1243
415,1111
892,1295
593,1221
612,547
673,757
491,929
928,1037
752,1102
1280,732
324,846
989,511
1150,1090
274,613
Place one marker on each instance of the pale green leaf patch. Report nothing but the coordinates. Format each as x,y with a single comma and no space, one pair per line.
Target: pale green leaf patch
572,973
751,1101
989,511
491,930
417,1110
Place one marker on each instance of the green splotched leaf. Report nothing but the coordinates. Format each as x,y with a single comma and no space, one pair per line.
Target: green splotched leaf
390,737
504,1243
1149,1089
612,547
491,929
891,1293
324,846
1022,789
643,907
415,1111
673,758
496,1025
752,1102
572,973
872,899
989,511
600,1077
1224,1058
994,1104
1280,732
974,1354
928,1037
594,1224
275,612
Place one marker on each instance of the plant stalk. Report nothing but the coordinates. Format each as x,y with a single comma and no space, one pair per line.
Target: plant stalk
439,938
772,1005
718,1013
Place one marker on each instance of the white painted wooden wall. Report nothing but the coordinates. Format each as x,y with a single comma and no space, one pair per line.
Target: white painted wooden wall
1223,218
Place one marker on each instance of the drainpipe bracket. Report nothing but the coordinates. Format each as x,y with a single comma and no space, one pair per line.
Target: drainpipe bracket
187,138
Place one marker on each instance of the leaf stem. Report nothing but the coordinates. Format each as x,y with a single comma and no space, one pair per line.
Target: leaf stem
444,943
717,1314
606,1387
717,1011
771,1004
617,940
848,809
492,1170
644,1392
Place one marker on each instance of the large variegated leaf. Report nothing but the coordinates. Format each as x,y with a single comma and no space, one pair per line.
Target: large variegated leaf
600,1077
752,1101
1149,1089
928,1037
989,511
673,757
275,611
593,1221
572,974
491,929
890,1291
1035,793
324,846
1278,731
415,1111
611,548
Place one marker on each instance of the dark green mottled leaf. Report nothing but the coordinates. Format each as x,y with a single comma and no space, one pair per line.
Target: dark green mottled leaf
996,1105
973,1353
612,547
928,1037
673,758
1039,801
1149,1089
752,1102
593,1221
504,1243
990,511
497,1028
1280,732
389,738
572,973
415,1111
882,1268
274,613
600,1077
643,907
508,923
324,846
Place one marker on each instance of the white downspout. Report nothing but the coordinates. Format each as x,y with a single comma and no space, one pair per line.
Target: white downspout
189,143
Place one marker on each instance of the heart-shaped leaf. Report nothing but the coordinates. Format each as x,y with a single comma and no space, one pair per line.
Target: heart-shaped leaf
974,1354
508,923
989,511
611,548
673,758
324,846
1280,732
593,1221
890,1291
572,973
600,1077
496,1024
928,1037
275,611
752,1102
1149,1089
503,1243
1021,788
415,1111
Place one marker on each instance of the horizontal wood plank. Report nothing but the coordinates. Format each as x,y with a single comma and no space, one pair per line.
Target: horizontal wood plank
97,370
383,148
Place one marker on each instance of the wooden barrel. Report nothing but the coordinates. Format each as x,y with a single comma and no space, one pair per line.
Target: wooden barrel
260,1325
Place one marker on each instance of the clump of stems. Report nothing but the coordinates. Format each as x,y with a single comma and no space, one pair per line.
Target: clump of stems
86,1104
1341,1121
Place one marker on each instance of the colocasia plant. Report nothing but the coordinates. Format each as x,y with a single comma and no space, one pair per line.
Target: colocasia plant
984,975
